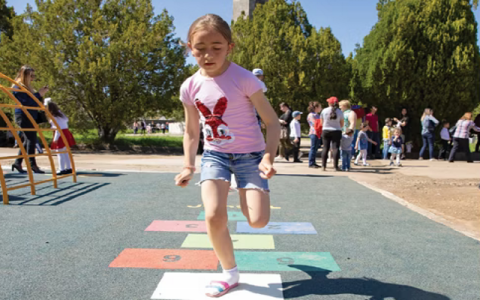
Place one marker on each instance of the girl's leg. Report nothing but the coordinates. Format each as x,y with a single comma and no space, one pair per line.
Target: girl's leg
255,206
392,158
364,157
61,160
398,159
214,197
67,161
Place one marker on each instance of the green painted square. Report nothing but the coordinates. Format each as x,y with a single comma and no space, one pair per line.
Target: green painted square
240,241
232,216
285,261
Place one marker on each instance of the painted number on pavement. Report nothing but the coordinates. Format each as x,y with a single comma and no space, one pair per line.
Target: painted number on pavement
171,258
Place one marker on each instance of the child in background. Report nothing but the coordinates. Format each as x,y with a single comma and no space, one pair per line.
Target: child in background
397,147
346,149
387,137
446,140
296,135
57,144
362,144
225,96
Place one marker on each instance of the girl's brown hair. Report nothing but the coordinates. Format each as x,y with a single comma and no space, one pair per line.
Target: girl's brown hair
467,116
313,105
55,110
22,75
211,21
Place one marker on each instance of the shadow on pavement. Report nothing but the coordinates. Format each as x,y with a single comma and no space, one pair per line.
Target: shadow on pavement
53,198
303,175
320,284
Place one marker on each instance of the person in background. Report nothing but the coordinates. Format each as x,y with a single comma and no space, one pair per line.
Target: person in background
24,78
346,143
397,147
374,133
349,120
477,123
428,130
446,140
460,137
143,126
135,127
362,144
404,124
387,137
64,163
332,120
314,108
163,127
259,74
285,119
296,135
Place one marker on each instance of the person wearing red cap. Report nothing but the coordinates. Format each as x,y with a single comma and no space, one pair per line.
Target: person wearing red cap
332,120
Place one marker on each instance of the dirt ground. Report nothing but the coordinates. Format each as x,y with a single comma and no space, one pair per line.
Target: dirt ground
448,190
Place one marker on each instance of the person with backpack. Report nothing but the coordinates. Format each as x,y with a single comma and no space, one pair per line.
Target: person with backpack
460,137
477,123
428,127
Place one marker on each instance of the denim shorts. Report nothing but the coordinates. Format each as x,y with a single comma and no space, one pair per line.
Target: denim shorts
221,166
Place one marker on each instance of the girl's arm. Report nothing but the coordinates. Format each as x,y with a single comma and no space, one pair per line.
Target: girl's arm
266,112
434,120
190,145
191,136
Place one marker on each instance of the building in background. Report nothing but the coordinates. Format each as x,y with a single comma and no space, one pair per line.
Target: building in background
248,6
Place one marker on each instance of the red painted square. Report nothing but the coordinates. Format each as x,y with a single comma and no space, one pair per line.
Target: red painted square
166,259
177,226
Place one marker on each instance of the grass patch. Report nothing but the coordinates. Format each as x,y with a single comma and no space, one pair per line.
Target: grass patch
90,139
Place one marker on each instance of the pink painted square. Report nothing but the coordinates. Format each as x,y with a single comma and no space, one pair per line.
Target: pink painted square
177,226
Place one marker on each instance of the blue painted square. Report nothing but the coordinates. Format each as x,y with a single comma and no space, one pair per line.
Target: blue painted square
232,216
278,228
285,261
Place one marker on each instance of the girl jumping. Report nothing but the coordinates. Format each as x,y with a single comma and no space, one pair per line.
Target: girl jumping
225,96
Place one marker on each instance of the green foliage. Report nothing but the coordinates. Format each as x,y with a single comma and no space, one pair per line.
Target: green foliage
6,14
420,54
301,64
107,62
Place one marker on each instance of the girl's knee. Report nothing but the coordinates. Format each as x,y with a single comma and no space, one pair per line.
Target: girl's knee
258,222
216,220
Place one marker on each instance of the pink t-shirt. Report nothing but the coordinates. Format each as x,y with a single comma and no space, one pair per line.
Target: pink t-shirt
229,120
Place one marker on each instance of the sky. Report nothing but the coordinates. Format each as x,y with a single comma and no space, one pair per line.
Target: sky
350,20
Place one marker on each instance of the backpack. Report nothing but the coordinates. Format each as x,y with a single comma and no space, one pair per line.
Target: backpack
429,125
318,127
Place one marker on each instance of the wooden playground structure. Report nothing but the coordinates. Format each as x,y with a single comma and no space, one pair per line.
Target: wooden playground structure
14,130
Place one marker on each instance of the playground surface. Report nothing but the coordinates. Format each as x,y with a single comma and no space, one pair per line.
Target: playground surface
134,235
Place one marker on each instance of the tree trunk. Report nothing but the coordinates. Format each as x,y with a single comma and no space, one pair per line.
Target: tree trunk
106,134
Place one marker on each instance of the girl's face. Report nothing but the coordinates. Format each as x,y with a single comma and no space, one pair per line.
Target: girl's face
397,133
318,109
210,50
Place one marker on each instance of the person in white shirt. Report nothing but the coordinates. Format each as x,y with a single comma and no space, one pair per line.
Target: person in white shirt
296,135
58,143
446,141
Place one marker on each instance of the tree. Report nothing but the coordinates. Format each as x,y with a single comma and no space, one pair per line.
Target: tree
420,54
107,62
294,56
6,14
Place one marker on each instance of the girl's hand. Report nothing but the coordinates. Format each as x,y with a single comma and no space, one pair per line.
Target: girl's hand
267,168
43,91
184,177
296,140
